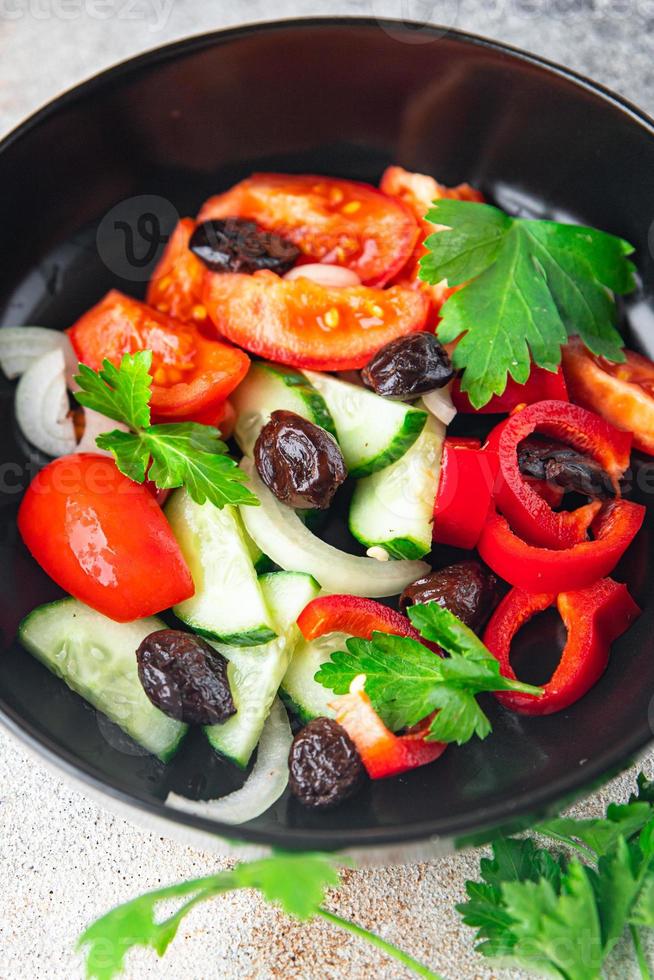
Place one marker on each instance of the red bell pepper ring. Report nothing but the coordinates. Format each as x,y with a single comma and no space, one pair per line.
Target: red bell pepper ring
594,617
382,753
464,495
354,615
528,513
540,385
537,569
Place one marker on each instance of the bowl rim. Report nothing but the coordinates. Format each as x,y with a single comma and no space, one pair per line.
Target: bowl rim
575,782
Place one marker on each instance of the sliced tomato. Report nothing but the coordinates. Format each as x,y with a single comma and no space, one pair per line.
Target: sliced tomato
103,538
191,373
418,192
176,284
307,325
541,385
623,394
341,222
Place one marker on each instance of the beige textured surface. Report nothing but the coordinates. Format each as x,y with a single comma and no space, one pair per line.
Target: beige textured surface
64,860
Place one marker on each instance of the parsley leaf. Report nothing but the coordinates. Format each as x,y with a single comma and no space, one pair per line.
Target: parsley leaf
526,286
406,681
172,454
556,915
296,882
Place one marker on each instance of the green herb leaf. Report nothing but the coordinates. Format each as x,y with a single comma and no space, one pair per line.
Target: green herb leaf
406,681
123,393
601,834
527,286
295,882
173,454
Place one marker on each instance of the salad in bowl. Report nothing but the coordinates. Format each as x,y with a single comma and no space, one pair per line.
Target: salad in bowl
308,347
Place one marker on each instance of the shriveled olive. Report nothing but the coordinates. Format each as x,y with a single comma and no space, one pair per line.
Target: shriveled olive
408,367
564,467
185,677
298,461
236,245
468,589
325,767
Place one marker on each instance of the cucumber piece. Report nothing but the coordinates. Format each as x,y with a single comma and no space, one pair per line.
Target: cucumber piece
305,696
372,431
394,508
255,673
96,657
268,387
228,604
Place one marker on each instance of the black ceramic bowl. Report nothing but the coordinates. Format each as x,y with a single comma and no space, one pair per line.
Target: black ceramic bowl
343,97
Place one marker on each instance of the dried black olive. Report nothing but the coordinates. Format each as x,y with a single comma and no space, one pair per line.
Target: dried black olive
408,366
468,589
185,677
298,461
325,767
565,468
236,245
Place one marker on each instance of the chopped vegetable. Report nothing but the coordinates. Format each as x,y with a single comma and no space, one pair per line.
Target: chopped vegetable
190,373
176,284
594,617
537,569
342,222
528,513
465,489
527,285
541,385
307,325
103,538
354,615
623,394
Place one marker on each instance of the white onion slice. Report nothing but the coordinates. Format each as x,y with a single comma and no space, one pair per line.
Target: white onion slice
439,403
281,535
20,347
324,274
264,785
42,409
94,425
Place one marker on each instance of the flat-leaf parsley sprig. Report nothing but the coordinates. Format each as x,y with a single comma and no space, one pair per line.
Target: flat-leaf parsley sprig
526,286
295,882
406,681
172,454
549,913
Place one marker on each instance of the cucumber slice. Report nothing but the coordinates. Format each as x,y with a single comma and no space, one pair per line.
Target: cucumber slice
269,387
305,696
372,431
255,673
96,657
394,508
228,604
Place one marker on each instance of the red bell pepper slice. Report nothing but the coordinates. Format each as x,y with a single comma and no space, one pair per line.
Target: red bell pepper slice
354,615
464,495
537,569
540,385
528,513
594,617
382,753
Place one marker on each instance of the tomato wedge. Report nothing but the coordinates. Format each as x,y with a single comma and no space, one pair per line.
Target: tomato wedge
191,374
176,284
103,538
341,222
623,394
307,325
418,192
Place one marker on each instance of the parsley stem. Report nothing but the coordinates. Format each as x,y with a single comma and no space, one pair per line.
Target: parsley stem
643,965
419,968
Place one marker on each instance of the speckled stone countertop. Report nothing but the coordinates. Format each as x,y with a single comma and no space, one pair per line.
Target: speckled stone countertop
65,860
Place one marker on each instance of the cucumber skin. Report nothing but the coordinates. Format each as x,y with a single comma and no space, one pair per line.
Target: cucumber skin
253,638
303,716
414,423
396,547
319,413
